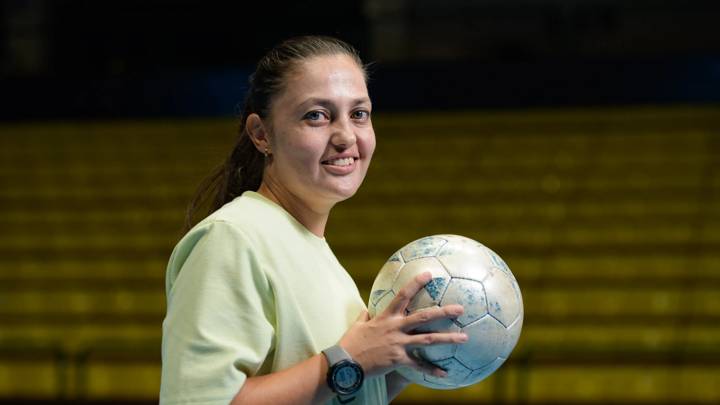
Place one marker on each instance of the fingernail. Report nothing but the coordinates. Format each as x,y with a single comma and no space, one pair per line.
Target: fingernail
442,374
464,337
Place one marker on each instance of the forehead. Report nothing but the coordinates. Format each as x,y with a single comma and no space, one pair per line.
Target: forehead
325,76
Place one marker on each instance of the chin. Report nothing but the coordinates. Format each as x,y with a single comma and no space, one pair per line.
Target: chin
342,194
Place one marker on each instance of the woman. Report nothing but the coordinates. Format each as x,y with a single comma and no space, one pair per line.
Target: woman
259,309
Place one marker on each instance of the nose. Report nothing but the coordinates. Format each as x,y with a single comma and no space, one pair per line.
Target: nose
343,135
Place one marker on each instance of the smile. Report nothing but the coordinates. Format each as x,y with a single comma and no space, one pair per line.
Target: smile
340,162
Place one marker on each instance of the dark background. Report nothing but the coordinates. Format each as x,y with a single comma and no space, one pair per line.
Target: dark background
101,59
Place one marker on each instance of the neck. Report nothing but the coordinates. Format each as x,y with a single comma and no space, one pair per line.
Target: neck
313,219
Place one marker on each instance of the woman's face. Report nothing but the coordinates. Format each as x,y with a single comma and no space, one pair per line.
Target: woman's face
321,136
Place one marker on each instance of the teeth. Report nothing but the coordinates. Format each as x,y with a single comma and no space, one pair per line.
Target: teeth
341,162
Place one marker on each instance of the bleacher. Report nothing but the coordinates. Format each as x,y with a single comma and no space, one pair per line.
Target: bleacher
609,219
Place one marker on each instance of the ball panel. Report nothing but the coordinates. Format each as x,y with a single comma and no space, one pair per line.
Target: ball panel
487,339
457,373
503,302
429,296
424,247
375,296
483,372
432,293
471,295
513,332
516,325
464,260
396,257
387,275
381,304
419,378
498,262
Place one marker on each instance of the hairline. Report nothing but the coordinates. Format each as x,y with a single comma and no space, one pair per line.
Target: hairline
294,68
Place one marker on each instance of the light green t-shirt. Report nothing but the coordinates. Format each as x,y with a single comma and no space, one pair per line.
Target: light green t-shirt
251,291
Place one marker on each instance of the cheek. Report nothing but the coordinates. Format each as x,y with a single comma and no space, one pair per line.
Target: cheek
368,145
303,153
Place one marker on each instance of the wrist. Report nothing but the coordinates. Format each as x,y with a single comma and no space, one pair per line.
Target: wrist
345,376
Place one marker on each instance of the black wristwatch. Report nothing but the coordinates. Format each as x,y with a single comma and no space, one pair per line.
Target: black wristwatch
345,376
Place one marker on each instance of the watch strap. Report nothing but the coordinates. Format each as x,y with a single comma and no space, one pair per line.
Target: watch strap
336,354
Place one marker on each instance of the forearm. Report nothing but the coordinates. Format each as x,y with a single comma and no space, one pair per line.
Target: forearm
395,384
303,383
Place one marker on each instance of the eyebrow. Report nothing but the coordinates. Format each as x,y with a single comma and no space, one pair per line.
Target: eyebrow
327,103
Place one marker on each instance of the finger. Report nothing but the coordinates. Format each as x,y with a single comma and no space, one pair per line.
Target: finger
424,316
436,338
424,366
403,297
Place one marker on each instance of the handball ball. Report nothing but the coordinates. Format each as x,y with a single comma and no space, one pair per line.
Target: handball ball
463,272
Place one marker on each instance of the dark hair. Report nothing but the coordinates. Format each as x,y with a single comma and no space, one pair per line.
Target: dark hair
243,169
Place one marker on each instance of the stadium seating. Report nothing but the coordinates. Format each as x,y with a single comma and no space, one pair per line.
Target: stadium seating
609,219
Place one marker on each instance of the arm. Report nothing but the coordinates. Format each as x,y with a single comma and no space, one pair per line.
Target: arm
303,383
377,344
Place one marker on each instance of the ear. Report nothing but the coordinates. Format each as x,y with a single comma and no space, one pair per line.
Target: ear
258,133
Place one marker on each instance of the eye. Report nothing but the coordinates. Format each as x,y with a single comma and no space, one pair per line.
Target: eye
361,115
315,115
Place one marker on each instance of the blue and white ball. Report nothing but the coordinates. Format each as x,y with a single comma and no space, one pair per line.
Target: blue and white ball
463,272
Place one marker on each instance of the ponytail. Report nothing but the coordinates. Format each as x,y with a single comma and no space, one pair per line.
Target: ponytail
242,171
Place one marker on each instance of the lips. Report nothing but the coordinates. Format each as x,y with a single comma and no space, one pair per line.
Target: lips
346,161
340,165
341,159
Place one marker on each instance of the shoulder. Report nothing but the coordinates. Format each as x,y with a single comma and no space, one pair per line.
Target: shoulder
224,233
236,220
249,213
240,225
217,250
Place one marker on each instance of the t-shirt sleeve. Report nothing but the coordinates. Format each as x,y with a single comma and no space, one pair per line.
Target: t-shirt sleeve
219,326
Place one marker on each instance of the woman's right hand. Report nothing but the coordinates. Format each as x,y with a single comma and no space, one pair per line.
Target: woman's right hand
381,344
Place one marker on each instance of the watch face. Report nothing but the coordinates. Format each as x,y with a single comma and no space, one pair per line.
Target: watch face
347,377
